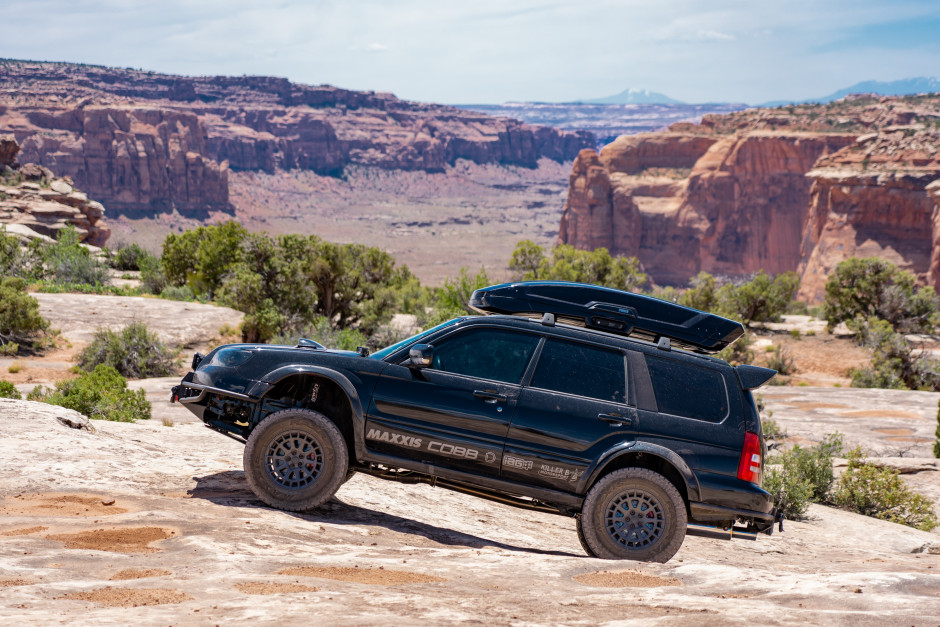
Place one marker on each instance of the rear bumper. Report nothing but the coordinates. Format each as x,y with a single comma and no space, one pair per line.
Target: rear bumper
708,512
762,522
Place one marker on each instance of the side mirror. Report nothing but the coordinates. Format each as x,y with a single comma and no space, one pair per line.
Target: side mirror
421,355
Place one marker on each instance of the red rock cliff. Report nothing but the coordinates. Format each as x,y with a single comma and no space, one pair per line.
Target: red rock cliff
873,199
149,142
776,190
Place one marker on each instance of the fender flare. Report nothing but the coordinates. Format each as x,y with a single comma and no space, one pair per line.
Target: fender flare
352,394
629,448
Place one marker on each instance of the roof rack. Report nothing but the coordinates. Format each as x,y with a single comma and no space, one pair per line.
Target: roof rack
611,311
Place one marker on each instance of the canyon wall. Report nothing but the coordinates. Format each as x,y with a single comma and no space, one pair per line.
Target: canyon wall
146,142
777,190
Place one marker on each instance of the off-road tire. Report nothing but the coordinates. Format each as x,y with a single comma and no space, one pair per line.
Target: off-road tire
295,460
579,526
634,514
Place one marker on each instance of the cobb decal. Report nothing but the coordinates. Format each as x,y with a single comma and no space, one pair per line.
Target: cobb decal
451,450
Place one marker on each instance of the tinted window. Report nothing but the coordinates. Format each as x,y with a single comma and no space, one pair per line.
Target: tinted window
686,390
582,370
494,354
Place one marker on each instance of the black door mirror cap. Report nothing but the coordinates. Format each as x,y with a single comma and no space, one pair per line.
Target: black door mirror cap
420,356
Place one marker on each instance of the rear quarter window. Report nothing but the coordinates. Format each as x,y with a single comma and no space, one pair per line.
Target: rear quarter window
687,390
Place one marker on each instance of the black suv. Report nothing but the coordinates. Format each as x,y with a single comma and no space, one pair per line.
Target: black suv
567,398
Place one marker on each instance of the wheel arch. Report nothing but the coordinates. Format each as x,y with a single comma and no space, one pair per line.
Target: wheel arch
337,398
650,456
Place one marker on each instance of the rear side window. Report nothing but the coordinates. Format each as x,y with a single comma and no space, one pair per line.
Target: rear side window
486,353
687,390
581,369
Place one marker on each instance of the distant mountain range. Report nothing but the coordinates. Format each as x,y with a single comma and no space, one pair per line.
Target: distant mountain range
633,96
903,87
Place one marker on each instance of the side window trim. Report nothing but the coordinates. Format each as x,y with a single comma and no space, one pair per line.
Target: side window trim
533,362
641,381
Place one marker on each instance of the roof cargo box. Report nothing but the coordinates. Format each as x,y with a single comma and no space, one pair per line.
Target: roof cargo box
613,311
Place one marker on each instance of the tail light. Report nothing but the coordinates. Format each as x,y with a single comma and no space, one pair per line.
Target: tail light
751,464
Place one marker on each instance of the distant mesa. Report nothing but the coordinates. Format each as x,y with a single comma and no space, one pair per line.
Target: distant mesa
633,96
145,143
797,189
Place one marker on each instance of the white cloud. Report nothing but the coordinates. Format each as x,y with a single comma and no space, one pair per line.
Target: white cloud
455,51
715,35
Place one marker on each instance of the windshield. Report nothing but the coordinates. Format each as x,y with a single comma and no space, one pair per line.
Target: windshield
385,352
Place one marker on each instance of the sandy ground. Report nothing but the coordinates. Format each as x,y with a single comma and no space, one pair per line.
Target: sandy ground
141,523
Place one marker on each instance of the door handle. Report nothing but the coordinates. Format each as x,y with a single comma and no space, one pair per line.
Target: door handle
489,396
616,420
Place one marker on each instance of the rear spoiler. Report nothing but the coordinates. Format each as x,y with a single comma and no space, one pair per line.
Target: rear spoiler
752,377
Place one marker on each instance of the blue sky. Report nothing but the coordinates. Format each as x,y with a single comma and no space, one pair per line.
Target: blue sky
492,51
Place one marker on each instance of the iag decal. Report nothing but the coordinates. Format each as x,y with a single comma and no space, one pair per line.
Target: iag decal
394,438
517,462
451,450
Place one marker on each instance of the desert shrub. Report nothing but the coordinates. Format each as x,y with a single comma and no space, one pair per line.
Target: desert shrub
67,261
201,257
8,390
879,492
172,292
702,293
773,433
781,360
127,257
667,293
454,295
101,395
151,274
804,476
936,445
19,313
876,288
284,283
529,261
134,352
761,299
791,492
894,363
323,332
797,308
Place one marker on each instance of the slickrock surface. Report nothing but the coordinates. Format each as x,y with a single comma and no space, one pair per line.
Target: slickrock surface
177,323
795,188
380,552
